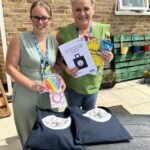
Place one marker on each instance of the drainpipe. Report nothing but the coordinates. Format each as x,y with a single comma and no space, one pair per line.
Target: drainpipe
4,47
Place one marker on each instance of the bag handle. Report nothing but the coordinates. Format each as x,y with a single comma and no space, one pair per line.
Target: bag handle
121,39
145,41
122,42
132,39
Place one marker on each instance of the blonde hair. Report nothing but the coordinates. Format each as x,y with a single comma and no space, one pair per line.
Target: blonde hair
92,2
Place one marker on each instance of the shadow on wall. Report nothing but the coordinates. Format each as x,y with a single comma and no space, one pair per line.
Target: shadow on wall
13,143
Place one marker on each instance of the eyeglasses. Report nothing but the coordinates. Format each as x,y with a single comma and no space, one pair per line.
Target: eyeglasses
44,19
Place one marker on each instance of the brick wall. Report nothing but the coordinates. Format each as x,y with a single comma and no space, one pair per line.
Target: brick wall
16,16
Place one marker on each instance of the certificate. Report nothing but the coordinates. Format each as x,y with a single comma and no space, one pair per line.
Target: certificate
76,54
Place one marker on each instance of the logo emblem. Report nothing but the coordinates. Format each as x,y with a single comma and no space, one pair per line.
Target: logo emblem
98,114
56,123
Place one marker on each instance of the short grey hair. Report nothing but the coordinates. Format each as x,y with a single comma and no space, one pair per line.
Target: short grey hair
92,1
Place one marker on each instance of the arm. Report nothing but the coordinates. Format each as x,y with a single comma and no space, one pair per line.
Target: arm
106,50
107,55
12,61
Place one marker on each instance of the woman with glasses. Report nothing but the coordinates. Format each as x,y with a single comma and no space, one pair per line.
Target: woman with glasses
28,56
82,91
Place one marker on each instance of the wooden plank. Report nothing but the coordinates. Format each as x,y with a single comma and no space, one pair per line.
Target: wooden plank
129,57
129,44
130,69
118,45
132,63
129,75
118,51
127,37
117,38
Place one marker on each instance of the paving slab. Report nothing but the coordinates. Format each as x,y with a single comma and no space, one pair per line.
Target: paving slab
131,95
139,109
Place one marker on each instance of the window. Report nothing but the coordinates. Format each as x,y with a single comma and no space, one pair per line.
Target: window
137,5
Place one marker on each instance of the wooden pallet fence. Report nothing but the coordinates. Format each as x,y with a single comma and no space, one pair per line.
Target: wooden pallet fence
130,66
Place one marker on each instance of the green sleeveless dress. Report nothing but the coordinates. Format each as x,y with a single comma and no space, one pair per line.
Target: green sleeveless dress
25,100
88,84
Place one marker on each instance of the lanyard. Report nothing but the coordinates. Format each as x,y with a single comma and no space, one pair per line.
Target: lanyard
44,63
90,32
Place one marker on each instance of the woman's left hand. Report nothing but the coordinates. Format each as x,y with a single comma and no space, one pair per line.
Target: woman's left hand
62,83
107,56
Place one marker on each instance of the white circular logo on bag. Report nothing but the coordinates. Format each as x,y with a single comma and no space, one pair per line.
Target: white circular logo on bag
98,114
56,123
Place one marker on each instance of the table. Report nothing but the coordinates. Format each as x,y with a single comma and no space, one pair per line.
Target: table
138,126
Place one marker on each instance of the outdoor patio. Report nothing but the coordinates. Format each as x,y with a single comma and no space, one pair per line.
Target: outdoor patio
133,95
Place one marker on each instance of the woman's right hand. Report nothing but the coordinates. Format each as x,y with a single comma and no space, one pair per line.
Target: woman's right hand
72,71
38,86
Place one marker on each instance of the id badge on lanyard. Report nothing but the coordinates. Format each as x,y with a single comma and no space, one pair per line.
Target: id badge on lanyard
42,69
45,70
43,63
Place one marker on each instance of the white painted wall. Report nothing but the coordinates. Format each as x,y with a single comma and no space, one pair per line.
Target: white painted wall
4,46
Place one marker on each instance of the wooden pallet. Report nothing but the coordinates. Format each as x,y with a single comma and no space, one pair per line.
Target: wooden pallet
4,108
130,66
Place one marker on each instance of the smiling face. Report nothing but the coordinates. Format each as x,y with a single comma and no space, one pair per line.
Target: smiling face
41,20
83,11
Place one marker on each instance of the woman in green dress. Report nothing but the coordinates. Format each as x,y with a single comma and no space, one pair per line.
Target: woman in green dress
83,91
29,53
